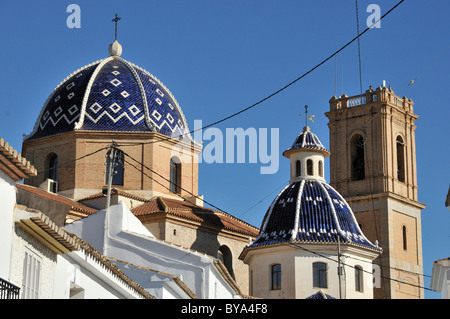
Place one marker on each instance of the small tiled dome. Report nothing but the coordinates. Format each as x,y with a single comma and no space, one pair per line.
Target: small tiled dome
308,210
110,95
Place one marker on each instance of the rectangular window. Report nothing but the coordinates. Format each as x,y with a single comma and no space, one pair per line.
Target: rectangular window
31,276
320,275
276,277
358,279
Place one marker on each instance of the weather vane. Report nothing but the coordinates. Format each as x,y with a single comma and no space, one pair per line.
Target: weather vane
307,117
115,20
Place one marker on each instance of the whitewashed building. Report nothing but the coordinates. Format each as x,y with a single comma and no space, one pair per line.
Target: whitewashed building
165,270
39,260
13,168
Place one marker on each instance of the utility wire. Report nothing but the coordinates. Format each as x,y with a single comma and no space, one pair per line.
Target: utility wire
156,173
284,87
260,201
75,160
384,277
190,193
384,266
359,48
291,244
218,207
223,210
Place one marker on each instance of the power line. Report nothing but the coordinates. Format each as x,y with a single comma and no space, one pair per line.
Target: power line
179,195
257,203
291,244
75,160
359,48
190,193
156,173
223,210
284,87
295,245
393,268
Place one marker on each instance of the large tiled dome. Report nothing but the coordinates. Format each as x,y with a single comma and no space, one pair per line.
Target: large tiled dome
110,95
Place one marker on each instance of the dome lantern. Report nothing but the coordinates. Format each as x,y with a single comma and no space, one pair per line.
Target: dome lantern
307,156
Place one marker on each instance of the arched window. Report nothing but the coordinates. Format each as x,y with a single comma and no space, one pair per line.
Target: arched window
309,167
359,278
275,274
320,275
114,159
320,168
175,175
405,245
357,144
298,168
224,254
53,167
400,159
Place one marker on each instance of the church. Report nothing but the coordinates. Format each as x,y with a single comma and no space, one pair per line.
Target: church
113,116
110,134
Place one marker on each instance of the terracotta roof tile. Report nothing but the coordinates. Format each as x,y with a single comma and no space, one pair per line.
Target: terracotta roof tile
13,164
191,211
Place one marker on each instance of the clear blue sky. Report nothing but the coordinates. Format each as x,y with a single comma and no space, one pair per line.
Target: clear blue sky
218,57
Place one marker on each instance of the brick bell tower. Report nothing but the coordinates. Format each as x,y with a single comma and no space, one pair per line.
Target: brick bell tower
373,166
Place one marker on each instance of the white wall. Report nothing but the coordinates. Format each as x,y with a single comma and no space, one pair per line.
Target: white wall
445,293
93,280
297,271
7,202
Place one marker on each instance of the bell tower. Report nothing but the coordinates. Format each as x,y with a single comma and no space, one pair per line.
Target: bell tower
373,166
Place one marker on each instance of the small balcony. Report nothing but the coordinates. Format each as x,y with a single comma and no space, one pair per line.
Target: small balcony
8,290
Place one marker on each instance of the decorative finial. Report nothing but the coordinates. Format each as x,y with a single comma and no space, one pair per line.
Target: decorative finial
115,20
307,117
115,49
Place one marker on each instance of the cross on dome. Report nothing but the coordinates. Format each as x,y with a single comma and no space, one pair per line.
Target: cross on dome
115,49
115,20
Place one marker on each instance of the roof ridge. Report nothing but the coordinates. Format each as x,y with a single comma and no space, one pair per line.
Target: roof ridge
175,278
87,92
40,192
119,192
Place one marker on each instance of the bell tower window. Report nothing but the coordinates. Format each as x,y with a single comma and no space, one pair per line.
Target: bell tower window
175,175
357,157
405,245
400,159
